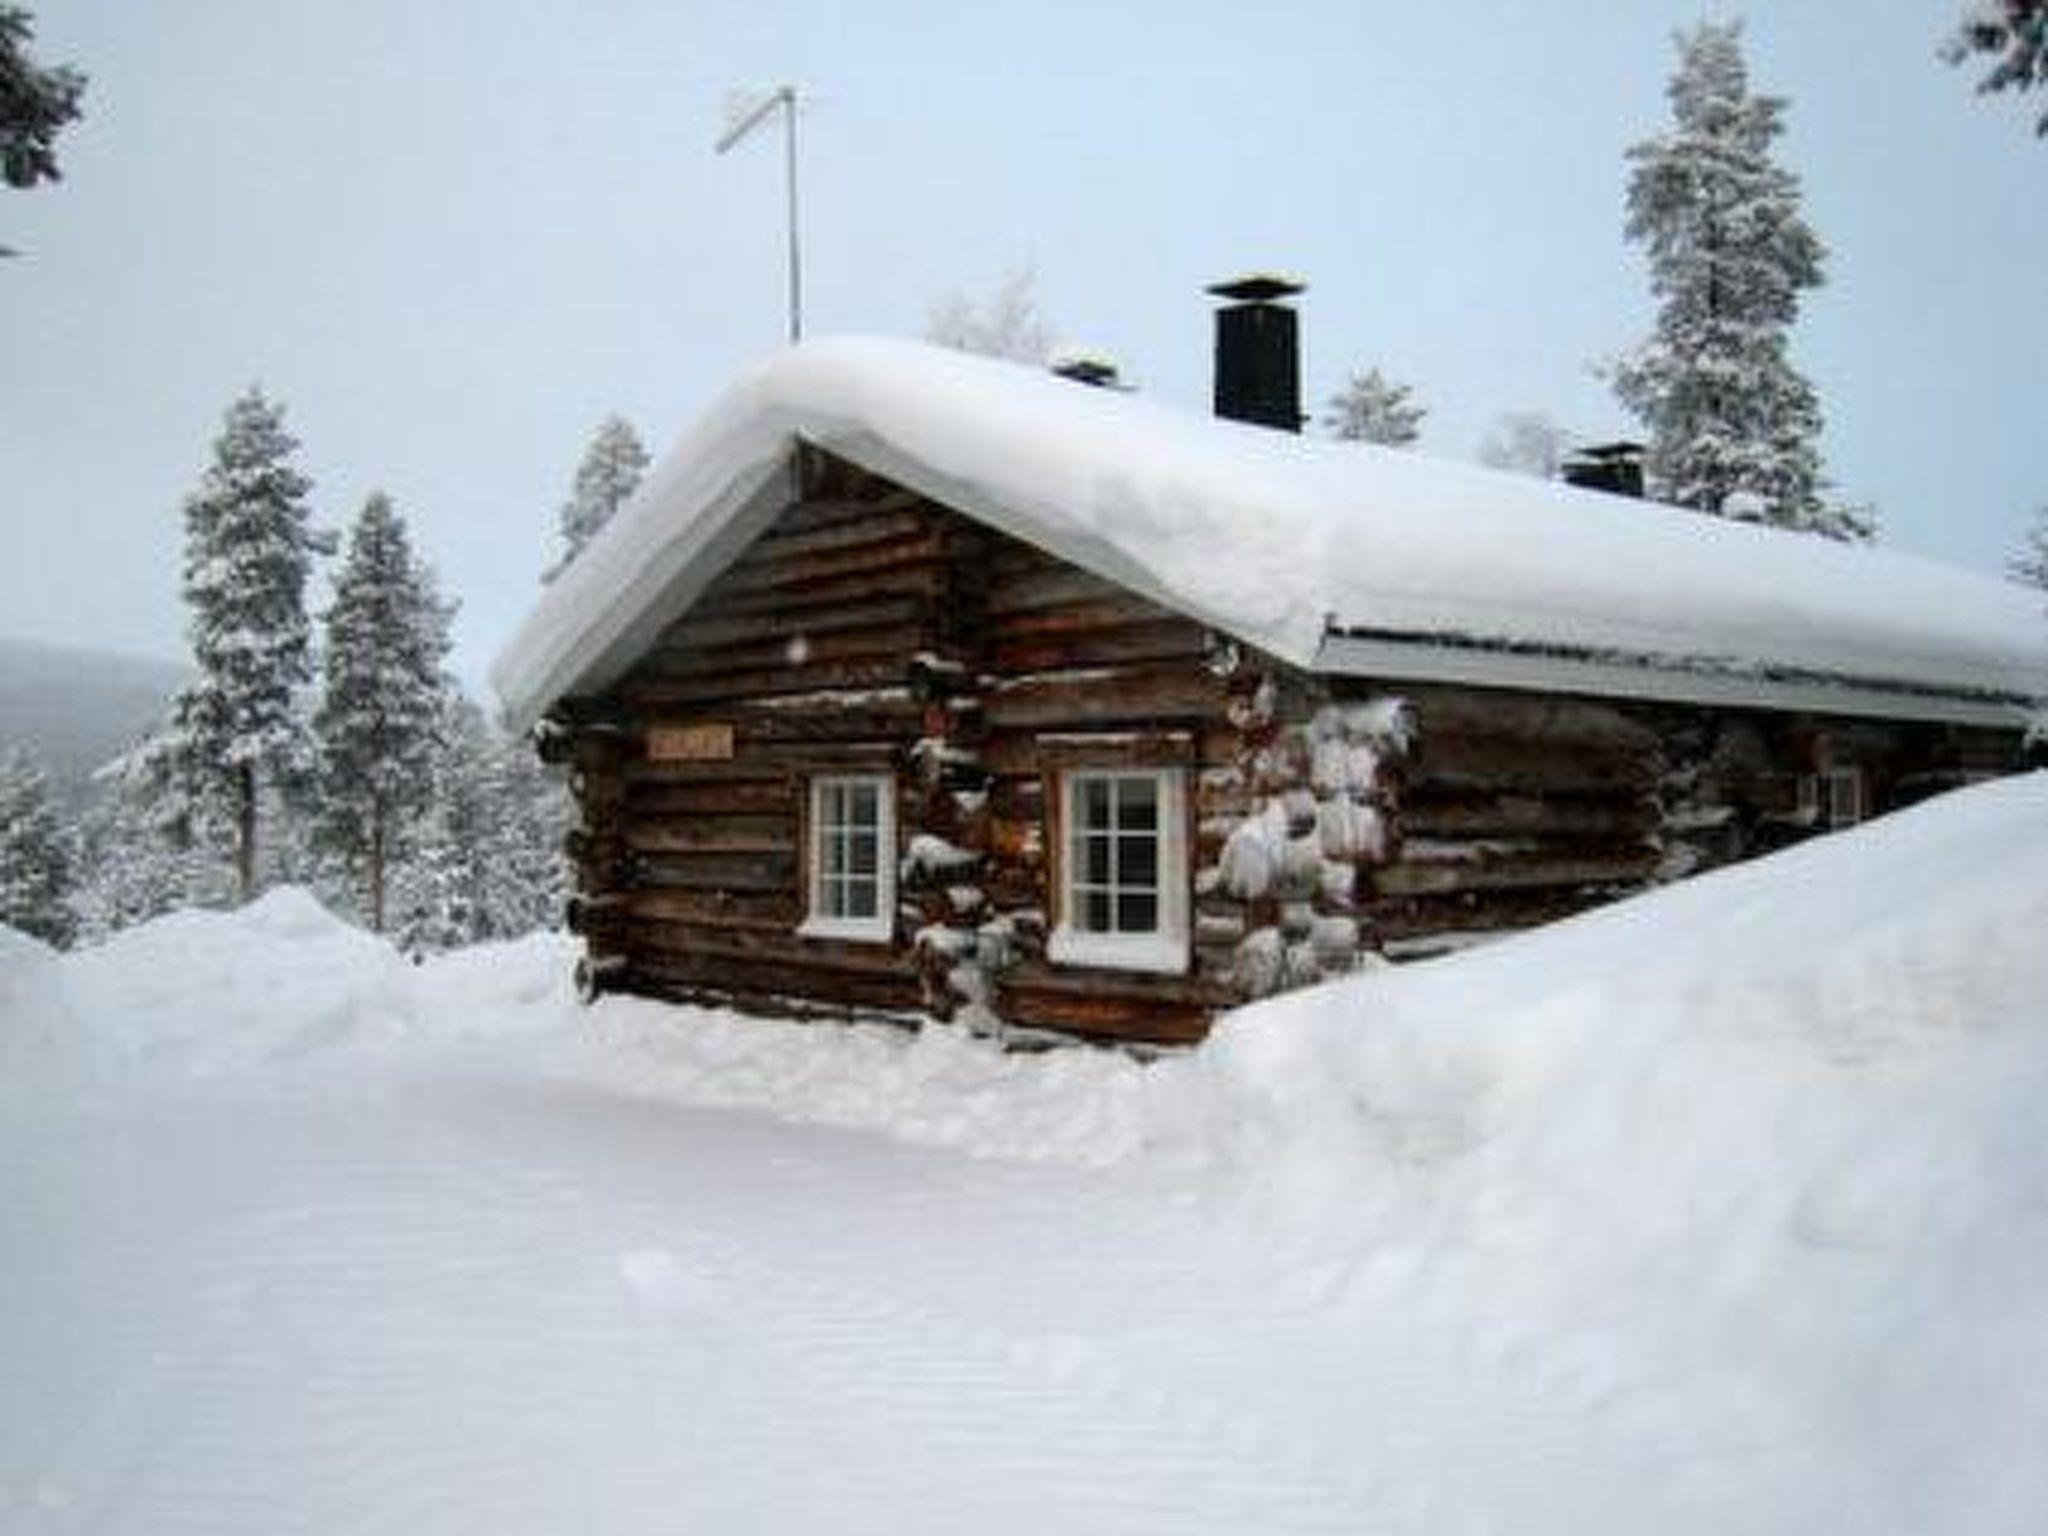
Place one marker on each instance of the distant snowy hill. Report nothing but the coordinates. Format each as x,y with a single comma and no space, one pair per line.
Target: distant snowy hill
1718,1210
76,709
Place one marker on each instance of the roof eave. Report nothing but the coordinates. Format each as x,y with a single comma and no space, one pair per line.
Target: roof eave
1433,660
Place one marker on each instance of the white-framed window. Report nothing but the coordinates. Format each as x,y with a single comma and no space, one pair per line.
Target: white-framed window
1832,797
1123,870
852,858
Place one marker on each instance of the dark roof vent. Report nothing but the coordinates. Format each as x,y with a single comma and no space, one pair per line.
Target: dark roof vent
1085,366
1616,468
1258,352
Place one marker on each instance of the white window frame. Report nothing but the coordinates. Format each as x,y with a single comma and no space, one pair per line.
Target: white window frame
1834,798
818,924
1164,950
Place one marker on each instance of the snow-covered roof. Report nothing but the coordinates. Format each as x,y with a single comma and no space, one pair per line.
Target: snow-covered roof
1336,557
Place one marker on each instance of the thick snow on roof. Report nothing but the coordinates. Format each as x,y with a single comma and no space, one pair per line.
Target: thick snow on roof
1282,542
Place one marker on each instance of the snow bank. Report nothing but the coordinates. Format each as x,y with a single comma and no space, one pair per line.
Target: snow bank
198,994
1781,1125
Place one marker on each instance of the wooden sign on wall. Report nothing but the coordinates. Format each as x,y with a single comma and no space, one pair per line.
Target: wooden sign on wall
689,743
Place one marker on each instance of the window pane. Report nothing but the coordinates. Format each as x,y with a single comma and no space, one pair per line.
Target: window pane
861,899
1137,912
1094,911
862,804
831,805
1137,804
1137,861
860,852
1092,866
1092,805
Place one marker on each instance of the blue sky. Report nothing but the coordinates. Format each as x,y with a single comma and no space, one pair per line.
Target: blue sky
452,236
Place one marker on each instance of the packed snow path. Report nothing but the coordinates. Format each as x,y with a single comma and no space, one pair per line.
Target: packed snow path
452,1299
1721,1210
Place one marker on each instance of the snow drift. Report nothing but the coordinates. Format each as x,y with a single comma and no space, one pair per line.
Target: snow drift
1722,1208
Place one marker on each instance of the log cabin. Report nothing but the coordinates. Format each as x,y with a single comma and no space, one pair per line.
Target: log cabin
916,684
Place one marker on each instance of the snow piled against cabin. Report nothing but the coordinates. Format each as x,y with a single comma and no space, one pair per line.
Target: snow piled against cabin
1725,1208
1319,533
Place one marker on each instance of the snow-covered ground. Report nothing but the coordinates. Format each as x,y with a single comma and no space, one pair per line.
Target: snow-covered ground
1722,1210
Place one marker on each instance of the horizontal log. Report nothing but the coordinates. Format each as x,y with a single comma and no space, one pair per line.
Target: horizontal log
1626,815
1096,696
1035,752
1161,1016
791,646
1618,867
772,760
776,911
1447,761
697,630
1496,911
715,871
766,572
709,834
749,979
877,525
1525,716
823,511
924,582
1112,609
1039,582
740,797
647,693
771,950
1161,640
765,1004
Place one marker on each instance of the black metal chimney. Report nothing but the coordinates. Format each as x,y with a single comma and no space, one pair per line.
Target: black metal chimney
1616,468
1258,352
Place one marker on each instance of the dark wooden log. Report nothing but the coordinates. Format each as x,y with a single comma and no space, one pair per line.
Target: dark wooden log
1092,697
1624,815
1507,764
648,693
710,834
1615,866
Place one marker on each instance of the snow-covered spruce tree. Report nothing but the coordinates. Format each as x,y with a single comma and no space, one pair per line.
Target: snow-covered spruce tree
605,480
36,863
2031,563
1374,409
1008,325
139,860
488,863
378,727
2015,34
1734,429
238,729
34,103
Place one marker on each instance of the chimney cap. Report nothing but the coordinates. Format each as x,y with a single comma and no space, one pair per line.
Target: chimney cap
1258,288
1086,365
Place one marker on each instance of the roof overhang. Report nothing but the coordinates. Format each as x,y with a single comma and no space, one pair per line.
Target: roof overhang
1668,680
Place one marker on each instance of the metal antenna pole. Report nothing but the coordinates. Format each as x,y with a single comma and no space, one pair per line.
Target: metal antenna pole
783,96
796,288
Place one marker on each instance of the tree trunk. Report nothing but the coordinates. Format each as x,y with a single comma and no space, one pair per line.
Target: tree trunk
376,870
245,832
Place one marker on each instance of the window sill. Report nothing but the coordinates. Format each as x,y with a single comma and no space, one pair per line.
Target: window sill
1161,954
858,930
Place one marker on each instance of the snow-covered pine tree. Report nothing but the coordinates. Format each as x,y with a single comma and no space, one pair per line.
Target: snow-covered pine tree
238,729
377,730
2015,34
1734,429
489,862
1374,409
2031,563
139,861
36,862
1525,442
605,480
34,103
1009,324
